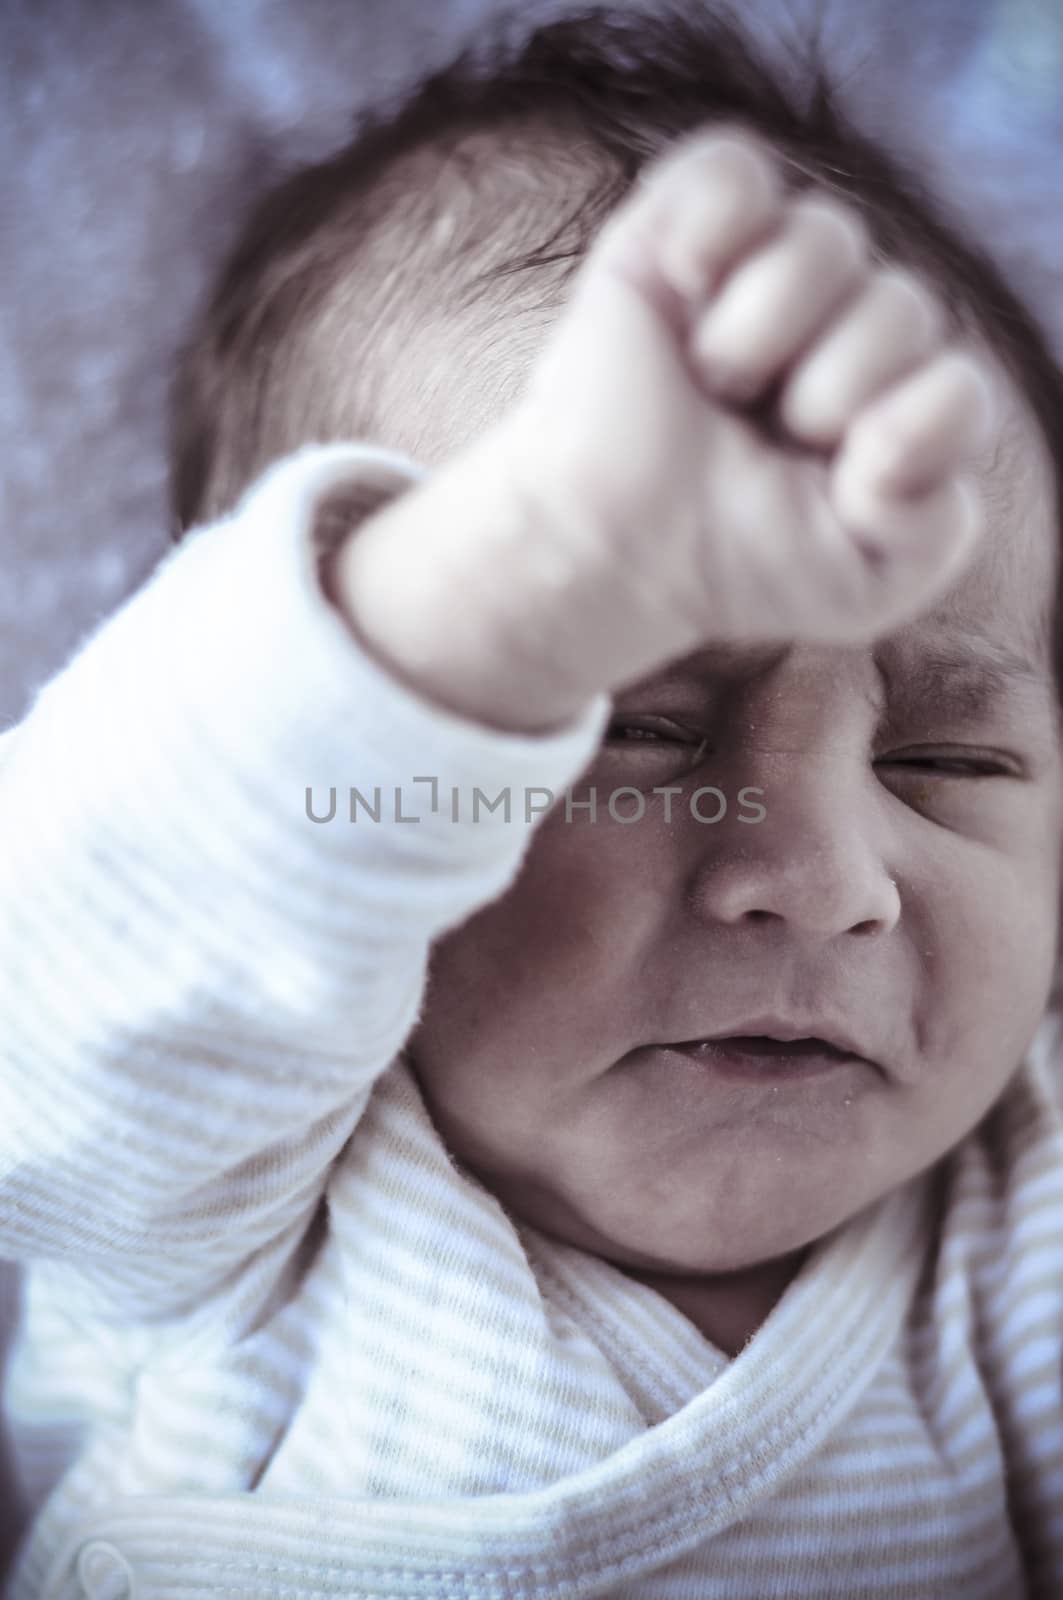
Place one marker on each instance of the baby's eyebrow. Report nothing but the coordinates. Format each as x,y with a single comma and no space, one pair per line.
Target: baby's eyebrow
966,674
960,673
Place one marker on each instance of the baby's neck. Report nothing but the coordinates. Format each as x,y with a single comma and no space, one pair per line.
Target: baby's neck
727,1307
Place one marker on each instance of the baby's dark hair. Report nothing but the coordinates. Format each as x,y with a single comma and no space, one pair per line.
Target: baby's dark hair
346,267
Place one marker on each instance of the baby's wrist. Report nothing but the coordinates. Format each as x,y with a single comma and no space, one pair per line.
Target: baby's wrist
438,587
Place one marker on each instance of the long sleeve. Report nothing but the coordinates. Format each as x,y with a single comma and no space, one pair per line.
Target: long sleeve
200,983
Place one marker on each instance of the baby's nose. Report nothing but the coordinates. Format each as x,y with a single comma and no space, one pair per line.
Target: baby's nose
817,860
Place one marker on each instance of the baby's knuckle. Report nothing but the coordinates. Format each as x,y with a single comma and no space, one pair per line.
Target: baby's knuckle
737,147
732,160
909,298
978,402
813,412
956,388
964,371
832,227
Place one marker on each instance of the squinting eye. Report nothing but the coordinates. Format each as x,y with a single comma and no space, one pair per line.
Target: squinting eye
641,733
950,766
648,751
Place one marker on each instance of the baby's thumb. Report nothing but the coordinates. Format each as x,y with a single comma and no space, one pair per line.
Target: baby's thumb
917,544
900,483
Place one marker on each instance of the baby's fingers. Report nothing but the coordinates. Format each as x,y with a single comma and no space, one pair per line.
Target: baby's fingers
898,486
919,543
922,429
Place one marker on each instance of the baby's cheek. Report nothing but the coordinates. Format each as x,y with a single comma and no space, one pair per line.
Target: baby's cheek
559,953
601,892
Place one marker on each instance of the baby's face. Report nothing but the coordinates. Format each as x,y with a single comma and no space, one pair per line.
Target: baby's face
902,886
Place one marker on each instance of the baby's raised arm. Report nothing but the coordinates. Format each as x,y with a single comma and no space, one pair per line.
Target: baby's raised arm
198,984
628,510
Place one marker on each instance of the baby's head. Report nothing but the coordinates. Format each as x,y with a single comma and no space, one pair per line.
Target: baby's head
901,888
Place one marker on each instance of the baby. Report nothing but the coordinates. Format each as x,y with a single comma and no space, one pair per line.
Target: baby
525,943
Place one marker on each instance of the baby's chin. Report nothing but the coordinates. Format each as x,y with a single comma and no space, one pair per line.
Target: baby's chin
688,1220
676,1169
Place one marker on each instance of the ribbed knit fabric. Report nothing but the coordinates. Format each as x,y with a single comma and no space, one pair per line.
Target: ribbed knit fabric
277,1342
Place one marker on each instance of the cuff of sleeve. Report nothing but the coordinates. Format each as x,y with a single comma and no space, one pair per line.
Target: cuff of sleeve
238,698
339,718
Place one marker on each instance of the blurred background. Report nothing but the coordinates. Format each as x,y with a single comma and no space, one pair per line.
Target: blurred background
137,134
